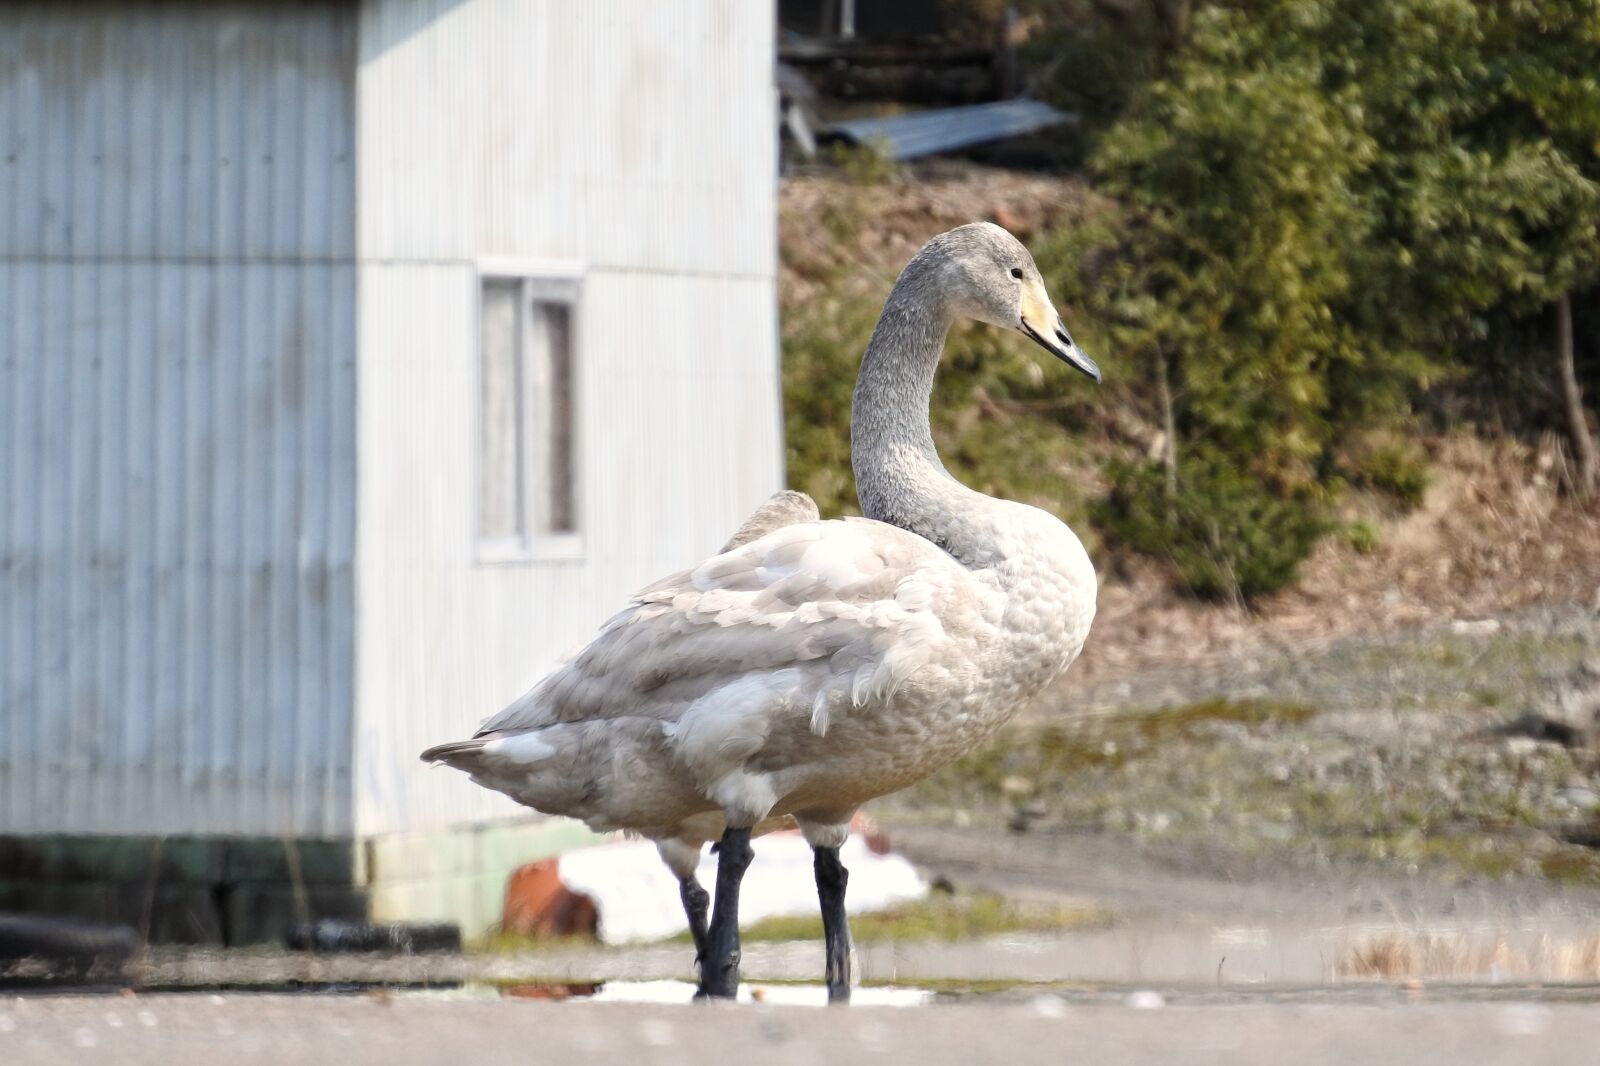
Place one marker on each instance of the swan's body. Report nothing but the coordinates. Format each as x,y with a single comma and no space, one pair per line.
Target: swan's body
814,665
801,674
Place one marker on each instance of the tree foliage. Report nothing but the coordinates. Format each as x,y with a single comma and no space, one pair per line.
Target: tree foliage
1327,197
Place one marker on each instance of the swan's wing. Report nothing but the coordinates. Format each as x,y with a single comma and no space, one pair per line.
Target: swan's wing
781,509
813,617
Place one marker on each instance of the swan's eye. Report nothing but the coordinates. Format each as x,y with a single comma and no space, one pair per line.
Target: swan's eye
1016,272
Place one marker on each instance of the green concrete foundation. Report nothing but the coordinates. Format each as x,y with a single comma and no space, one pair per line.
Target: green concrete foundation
236,891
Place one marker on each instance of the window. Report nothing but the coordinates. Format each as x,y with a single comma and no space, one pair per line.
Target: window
527,432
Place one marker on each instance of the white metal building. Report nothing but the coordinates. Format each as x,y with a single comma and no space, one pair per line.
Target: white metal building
356,359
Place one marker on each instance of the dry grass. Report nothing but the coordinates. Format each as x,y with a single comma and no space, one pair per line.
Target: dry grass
840,237
1492,536
1457,957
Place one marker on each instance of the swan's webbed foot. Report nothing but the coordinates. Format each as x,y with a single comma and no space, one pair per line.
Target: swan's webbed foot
719,968
696,903
831,880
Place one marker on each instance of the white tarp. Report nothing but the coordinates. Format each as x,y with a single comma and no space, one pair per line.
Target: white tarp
637,896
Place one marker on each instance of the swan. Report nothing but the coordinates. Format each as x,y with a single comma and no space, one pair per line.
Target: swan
813,665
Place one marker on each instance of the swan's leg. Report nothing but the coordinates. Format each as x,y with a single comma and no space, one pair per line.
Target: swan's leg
696,902
831,880
719,973
682,858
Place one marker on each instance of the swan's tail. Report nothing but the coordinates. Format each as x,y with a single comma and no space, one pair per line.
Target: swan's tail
462,754
497,750
534,767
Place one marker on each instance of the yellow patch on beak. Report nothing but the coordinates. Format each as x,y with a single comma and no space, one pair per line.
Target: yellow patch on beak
1037,311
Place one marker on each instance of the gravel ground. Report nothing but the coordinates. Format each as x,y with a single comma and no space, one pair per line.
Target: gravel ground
391,1030
1403,751
1488,662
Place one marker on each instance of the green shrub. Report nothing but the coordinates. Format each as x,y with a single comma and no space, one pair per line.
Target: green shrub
1362,537
864,164
1225,534
1329,202
1394,468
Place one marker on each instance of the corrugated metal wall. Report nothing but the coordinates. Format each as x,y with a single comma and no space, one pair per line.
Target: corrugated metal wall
177,341
636,139
179,296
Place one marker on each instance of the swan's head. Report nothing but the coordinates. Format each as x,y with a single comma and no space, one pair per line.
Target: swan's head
985,273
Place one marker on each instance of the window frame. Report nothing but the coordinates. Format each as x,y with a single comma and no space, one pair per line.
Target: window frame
544,281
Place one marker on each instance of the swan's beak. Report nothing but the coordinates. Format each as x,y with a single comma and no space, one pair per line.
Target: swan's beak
1041,322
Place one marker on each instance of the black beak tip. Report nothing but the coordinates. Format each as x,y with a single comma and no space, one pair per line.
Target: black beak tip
1065,349
1080,362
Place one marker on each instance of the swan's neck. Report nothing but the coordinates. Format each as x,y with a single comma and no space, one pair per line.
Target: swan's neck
899,477
1032,557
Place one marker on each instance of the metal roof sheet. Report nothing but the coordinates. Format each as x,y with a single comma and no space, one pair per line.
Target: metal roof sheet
932,132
